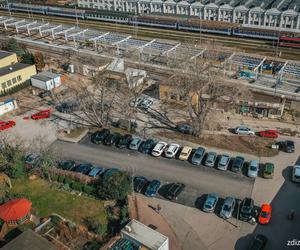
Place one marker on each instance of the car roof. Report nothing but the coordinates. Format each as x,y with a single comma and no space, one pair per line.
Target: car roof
229,200
253,162
269,166
297,170
266,207
186,149
200,149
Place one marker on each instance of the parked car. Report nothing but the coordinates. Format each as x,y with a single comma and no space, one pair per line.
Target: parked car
227,208
96,171
145,104
44,94
6,125
246,209
67,107
172,150
211,159
139,183
287,146
99,136
159,148
253,168
243,130
41,115
111,139
67,165
258,242
210,203
152,188
268,170
269,133
84,168
238,164
184,128
32,160
174,190
224,162
110,172
185,153
198,156
135,143
265,214
147,146
296,173
124,141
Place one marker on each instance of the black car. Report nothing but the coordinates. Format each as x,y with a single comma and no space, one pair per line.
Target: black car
147,146
84,168
44,94
67,165
67,107
287,146
124,141
184,128
99,136
246,209
174,190
111,139
258,242
139,183
238,164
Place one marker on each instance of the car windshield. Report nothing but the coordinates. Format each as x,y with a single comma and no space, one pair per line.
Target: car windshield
246,209
253,168
197,156
226,208
264,214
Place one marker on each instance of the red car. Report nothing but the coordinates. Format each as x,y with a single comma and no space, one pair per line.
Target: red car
41,115
265,214
6,125
269,133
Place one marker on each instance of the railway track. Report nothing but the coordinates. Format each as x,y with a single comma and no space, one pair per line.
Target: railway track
249,45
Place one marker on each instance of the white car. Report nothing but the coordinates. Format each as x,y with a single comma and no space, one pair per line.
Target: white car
296,173
159,148
243,130
171,150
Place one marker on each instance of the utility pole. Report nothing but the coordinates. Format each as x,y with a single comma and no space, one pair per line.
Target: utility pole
77,24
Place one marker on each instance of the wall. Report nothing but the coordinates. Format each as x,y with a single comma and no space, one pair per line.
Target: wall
6,61
17,77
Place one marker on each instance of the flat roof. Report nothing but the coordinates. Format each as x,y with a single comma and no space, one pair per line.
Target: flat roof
12,68
45,76
4,54
144,234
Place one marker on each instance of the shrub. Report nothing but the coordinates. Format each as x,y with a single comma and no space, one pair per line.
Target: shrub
77,186
88,189
54,177
68,180
61,178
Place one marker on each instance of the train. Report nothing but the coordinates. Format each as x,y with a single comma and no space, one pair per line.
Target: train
282,38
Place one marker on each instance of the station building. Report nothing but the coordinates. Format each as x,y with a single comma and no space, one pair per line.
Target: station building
269,14
13,73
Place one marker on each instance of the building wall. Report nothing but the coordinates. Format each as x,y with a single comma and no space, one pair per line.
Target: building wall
268,19
16,77
6,61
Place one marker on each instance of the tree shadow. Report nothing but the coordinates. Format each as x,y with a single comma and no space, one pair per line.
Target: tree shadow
200,201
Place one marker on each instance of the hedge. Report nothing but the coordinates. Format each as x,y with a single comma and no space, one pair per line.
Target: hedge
61,178
77,186
68,180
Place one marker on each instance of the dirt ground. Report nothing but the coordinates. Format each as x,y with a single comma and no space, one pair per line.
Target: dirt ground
244,144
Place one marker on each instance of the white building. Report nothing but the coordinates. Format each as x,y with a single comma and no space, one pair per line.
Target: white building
144,236
281,15
8,106
46,80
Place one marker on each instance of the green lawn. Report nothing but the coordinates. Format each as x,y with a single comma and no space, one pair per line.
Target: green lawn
46,201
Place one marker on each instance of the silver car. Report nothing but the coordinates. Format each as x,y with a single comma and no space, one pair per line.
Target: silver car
243,130
211,159
227,208
224,162
296,173
253,169
135,143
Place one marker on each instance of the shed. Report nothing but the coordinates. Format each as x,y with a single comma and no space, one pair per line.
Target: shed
8,106
46,80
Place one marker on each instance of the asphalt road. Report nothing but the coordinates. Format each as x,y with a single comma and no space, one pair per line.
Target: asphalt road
199,180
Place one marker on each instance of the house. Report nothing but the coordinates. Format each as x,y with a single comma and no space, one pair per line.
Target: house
14,75
7,58
46,80
144,237
8,106
28,240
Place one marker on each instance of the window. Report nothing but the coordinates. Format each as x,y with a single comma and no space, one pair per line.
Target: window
14,80
19,78
8,83
3,85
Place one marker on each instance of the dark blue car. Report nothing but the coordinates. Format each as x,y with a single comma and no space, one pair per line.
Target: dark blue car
84,168
152,188
96,171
